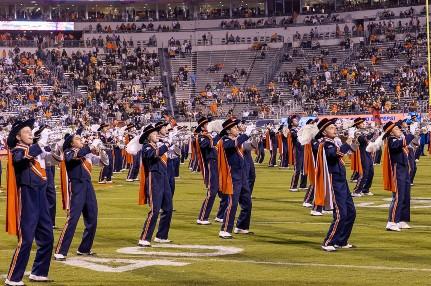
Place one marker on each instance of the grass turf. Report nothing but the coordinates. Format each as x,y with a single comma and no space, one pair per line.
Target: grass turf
285,249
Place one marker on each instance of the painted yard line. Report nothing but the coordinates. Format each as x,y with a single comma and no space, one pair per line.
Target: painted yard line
256,223
368,267
280,263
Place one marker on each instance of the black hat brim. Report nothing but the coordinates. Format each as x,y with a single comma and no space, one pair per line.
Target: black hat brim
232,124
68,141
328,123
200,125
358,122
11,138
145,134
159,126
388,132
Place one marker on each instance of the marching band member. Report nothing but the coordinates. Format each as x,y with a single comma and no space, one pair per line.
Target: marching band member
175,154
298,153
58,157
163,130
413,147
117,151
414,123
106,138
271,145
232,177
424,140
311,145
316,210
364,161
306,138
261,149
173,158
193,164
207,156
184,146
27,205
396,177
154,187
78,158
355,160
282,145
50,172
331,187
245,201
377,158
133,162
128,158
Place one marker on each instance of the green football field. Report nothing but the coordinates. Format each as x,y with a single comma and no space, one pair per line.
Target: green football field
284,249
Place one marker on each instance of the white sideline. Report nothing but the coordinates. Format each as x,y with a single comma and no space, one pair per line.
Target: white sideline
368,267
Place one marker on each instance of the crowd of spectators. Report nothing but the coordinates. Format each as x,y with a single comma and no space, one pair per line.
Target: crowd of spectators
362,83
116,13
40,39
178,48
124,83
121,85
134,28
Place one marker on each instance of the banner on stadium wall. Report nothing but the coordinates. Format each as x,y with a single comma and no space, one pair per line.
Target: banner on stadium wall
383,117
36,26
264,122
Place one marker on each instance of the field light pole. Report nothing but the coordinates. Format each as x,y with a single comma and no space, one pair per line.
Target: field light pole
428,55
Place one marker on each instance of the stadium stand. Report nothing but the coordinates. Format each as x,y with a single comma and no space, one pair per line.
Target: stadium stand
250,61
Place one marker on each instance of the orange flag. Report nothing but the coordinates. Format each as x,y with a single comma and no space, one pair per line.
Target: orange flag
225,177
12,204
389,180
290,149
142,189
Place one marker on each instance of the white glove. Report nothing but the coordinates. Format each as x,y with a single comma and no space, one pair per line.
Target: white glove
338,141
43,142
376,145
248,130
352,132
159,144
95,144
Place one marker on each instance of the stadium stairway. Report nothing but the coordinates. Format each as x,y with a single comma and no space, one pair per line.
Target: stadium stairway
184,89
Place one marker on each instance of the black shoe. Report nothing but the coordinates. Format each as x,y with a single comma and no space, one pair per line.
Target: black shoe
91,253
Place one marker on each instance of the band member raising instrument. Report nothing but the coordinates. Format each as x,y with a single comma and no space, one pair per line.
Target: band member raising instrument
107,139
260,149
27,205
50,164
271,144
396,176
298,176
154,187
133,161
207,157
306,138
282,135
78,159
363,160
128,158
232,176
331,187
